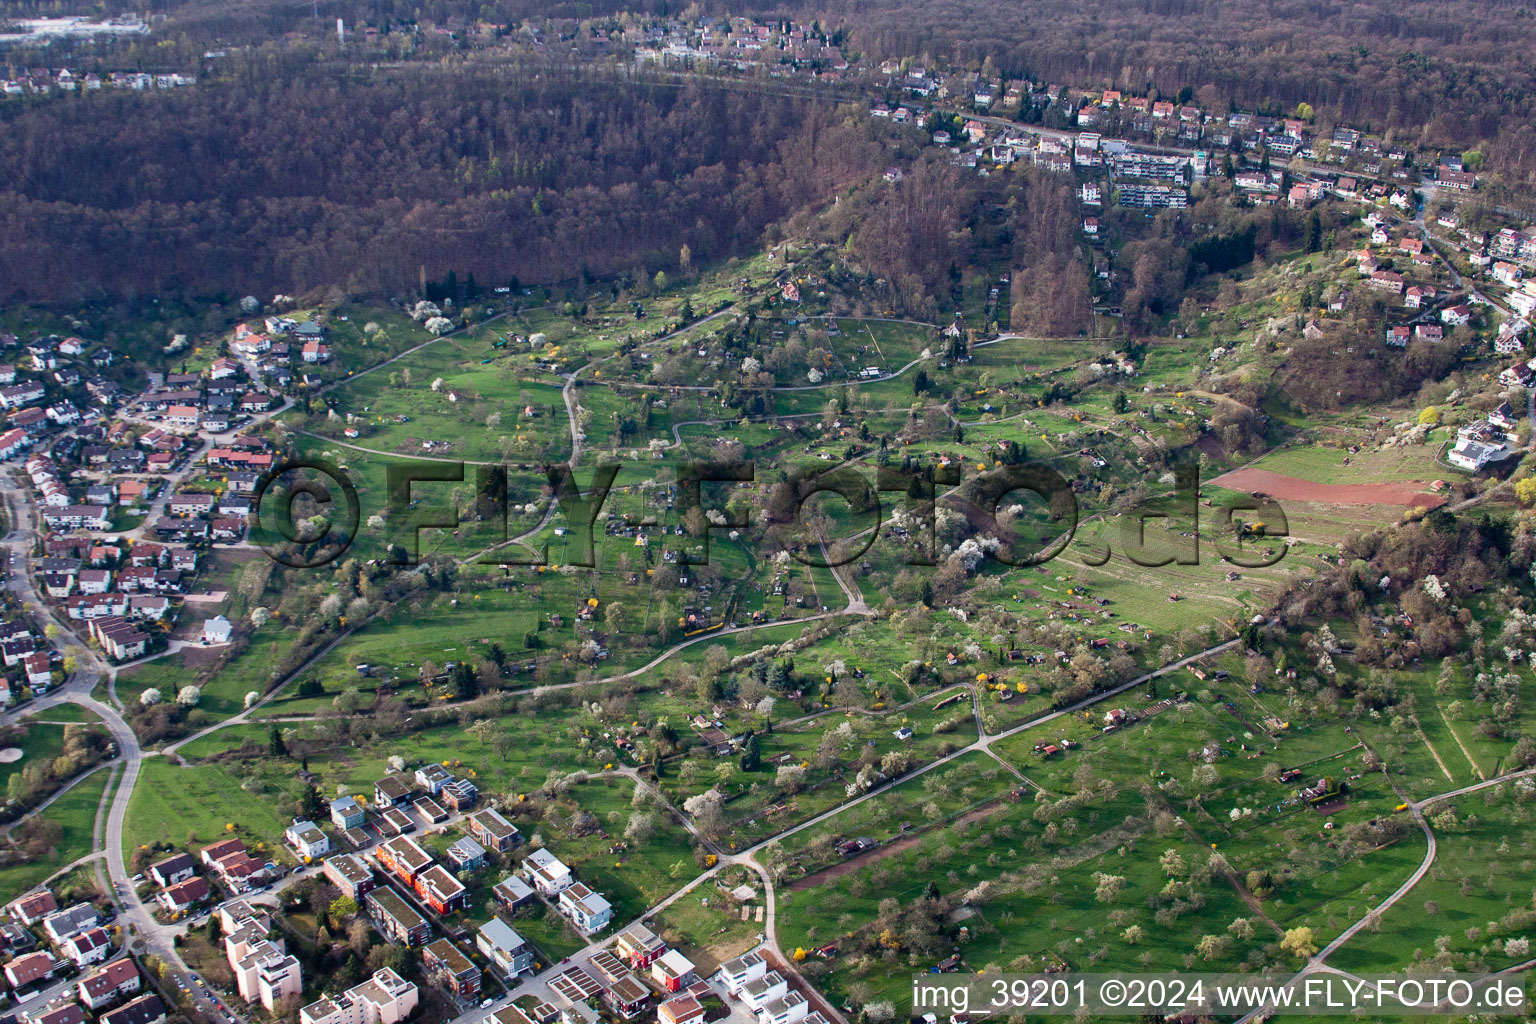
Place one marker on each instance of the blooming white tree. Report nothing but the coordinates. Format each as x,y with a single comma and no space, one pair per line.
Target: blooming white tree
250,304
150,697
439,324
260,616
750,365
863,782
251,698
188,696
813,375
425,310
791,778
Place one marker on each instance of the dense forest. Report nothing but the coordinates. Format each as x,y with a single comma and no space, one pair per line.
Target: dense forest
289,180
1452,72
292,167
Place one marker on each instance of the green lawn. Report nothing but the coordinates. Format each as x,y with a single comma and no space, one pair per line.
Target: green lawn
75,813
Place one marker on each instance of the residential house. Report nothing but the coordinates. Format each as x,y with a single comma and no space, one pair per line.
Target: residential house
26,970
1387,281
183,896
639,947
673,971
792,1006
39,672
460,794
505,948
13,442
433,777
627,996
1474,456
588,910
1505,418
147,1009
68,1013
683,1009
347,813
466,855
734,974
264,971
105,986
212,854
32,908
91,946
307,840
61,924
512,892
546,872
759,992
1456,316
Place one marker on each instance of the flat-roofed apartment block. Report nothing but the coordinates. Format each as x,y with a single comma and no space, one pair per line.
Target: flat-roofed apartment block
509,1015
266,974
351,874
395,822
403,858
492,831
385,998
446,964
391,791
395,918
441,891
